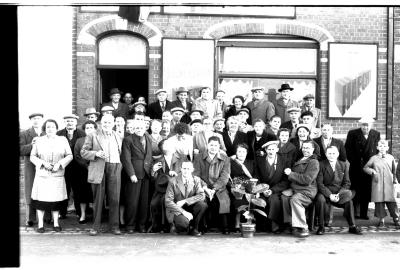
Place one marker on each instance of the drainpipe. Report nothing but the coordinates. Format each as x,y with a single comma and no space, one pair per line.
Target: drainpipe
390,72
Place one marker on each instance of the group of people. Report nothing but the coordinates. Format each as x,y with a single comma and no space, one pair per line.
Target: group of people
170,166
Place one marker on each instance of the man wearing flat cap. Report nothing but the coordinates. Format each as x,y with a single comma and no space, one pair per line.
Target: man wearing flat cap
177,114
309,105
294,121
161,105
182,101
361,144
72,133
207,104
260,107
196,114
284,102
120,109
27,139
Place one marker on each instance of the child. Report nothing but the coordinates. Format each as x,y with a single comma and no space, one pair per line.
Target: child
382,168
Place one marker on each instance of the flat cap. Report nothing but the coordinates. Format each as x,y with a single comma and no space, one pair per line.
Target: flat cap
265,145
308,96
293,109
243,110
257,89
177,109
181,90
35,114
366,120
200,111
91,111
160,90
106,109
196,121
219,119
74,116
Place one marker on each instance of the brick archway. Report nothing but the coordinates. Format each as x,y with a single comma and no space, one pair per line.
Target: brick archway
270,26
86,48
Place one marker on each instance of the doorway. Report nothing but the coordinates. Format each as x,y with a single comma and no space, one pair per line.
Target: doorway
134,81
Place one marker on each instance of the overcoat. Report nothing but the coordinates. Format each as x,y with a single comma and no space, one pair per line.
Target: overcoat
251,139
240,137
335,142
303,177
155,111
281,108
332,182
261,109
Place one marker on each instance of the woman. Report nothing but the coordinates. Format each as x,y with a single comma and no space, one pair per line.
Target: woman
200,140
155,127
257,138
50,155
182,101
237,102
241,168
382,167
232,136
83,194
303,134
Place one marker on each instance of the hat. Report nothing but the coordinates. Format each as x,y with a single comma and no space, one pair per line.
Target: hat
308,96
181,89
107,108
293,109
161,183
176,109
90,111
115,91
265,145
138,103
196,121
219,119
303,126
35,114
147,118
220,90
160,90
257,88
285,86
74,116
366,120
200,111
243,110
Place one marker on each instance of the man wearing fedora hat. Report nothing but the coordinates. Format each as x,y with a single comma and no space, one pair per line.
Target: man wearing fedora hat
182,101
285,102
120,109
260,107
91,114
27,139
72,133
161,105
361,144
309,105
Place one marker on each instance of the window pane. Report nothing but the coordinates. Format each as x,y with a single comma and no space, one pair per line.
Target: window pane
122,50
288,61
242,86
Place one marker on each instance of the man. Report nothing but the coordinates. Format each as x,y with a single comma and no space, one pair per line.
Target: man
307,119
219,125
196,126
287,150
285,102
309,105
291,125
327,139
27,139
220,97
177,113
106,110
213,168
260,107
207,104
302,178
120,109
138,107
72,133
182,101
184,201
102,148
161,105
334,189
136,159
361,144
243,116
91,114
232,136
274,125
196,114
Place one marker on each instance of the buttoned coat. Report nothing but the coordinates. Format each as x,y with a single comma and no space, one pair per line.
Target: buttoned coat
215,175
240,137
155,111
94,142
332,182
136,160
25,148
303,177
288,152
261,109
281,108
251,139
334,142
176,192
279,181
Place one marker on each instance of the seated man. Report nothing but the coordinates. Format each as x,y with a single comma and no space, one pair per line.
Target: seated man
334,189
213,167
302,178
184,201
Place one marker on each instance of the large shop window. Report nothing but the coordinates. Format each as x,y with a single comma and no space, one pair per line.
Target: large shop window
245,62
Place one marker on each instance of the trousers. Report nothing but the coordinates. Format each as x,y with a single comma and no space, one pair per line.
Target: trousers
197,210
294,211
380,211
136,203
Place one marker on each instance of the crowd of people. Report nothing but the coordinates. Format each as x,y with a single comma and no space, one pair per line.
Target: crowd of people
170,166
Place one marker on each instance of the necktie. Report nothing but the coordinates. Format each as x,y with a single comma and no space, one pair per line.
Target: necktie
186,185
143,141
163,106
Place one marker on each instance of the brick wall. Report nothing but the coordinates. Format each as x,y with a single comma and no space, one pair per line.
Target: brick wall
396,85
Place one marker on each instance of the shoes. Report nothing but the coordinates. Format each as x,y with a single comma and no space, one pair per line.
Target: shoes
57,228
29,223
355,230
236,230
131,231
116,231
40,230
301,232
225,231
83,221
396,225
93,232
142,230
287,230
172,230
195,232
381,224
321,230
362,217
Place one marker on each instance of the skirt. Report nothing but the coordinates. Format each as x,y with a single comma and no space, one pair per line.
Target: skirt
48,206
49,189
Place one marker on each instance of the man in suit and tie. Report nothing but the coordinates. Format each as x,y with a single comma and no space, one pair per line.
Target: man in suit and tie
361,144
136,159
162,104
184,201
260,107
232,136
27,139
326,140
120,109
291,125
103,149
334,189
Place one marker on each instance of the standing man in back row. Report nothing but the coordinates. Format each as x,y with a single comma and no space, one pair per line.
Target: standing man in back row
285,102
260,107
161,105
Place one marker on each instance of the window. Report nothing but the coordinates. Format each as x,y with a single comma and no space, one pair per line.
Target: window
245,62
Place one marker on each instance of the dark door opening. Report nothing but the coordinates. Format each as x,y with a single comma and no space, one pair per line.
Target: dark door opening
134,81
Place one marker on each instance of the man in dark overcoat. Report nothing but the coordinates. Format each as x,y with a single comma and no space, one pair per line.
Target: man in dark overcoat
161,105
120,108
